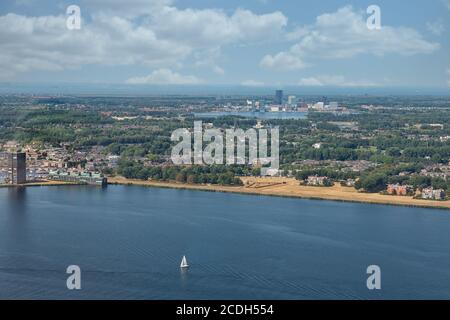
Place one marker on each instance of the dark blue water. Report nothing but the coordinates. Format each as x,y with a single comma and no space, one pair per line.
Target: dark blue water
128,242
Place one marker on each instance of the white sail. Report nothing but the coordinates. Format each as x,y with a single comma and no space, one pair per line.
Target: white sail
184,263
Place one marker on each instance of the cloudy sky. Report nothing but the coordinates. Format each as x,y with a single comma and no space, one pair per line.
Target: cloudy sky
248,42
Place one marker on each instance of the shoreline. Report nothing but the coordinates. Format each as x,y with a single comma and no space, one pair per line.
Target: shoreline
271,186
46,183
289,187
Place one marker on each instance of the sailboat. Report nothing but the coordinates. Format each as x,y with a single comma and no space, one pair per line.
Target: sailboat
184,263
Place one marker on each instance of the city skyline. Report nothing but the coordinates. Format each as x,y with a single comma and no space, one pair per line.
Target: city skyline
254,44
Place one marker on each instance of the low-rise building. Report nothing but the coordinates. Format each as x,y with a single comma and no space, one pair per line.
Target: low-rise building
399,190
433,194
317,181
350,182
81,177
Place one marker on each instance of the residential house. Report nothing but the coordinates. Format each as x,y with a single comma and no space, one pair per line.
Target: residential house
433,194
399,190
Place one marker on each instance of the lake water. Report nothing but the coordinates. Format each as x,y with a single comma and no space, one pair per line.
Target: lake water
259,115
128,242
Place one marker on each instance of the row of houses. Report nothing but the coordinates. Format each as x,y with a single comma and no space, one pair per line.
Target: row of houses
433,194
345,166
392,189
318,181
437,171
400,190
408,190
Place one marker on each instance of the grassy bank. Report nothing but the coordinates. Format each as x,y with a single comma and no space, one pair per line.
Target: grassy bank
289,187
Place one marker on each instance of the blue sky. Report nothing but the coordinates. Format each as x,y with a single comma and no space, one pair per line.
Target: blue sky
249,43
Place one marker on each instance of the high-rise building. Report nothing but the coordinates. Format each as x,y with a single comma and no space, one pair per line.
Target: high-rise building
19,168
15,163
279,97
291,100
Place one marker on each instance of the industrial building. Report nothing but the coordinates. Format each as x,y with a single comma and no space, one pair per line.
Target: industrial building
79,178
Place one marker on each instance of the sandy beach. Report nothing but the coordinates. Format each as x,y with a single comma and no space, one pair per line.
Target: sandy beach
289,187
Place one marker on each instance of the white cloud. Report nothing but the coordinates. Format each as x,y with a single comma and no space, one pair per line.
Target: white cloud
448,70
164,76
44,43
336,81
310,82
446,3
201,26
344,34
252,83
297,34
283,60
207,58
436,27
128,8
211,27
149,33
218,70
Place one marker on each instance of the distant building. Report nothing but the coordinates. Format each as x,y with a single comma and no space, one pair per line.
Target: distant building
433,194
274,109
83,177
272,172
302,107
16,166
291,100
350,182
279,97
399,190
318,181
436,125
319,106
334,105
11,146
